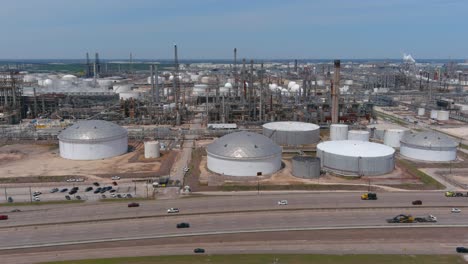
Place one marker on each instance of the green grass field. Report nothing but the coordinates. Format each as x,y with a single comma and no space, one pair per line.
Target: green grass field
41,203
280,259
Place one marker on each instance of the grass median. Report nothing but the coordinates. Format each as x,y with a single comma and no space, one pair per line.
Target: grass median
40,203
278,258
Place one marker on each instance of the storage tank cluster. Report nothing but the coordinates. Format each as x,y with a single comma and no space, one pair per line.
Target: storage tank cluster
92,140
243,154
429,146
338,132
306,167
152,149
291,133
356,158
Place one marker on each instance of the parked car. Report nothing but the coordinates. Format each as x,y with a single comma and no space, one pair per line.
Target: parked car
64,190
133,205
462,250
98,190
36,199
10,199
72,192
119,195
36,193
78,197
114,183
80,180
88,189
95,183
112,191
3,217
103,196
71,180
417,202
199,250
455,210
115,178
283,202
15,210
113,195
54,190
183,225
129,196
67,197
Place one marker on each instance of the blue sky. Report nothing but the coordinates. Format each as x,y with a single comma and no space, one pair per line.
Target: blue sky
206,29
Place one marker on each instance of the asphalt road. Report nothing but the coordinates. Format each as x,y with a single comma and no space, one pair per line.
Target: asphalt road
90,211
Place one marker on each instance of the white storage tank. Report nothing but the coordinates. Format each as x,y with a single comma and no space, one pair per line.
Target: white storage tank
421,111
434,114
306,167
442,115
292,133
152,149
92,140
338,132
131,94
243,154
429,146
392,137
358,135
356,158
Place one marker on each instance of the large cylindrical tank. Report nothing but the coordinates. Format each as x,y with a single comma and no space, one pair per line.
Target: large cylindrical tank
421,111
434,114
306,167
338,132
152,149
392,137
360,135
290,133
429,146
442,115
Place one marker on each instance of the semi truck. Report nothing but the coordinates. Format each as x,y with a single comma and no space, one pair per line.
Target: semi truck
369,196
455,194
402,218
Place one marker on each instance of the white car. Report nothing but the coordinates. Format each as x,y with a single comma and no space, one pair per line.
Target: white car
113,195
172,210
186,169
283,202
456,210
115,178
36,199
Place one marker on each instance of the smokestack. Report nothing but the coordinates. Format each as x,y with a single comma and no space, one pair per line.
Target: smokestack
156,82
88,66
152,82
335,92
176,74
235,73
295,65
97,67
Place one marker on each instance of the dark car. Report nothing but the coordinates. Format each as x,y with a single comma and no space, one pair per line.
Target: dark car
72,192
103,196
108,188
98,190
103,190
114,183
64,190
199,250
3,217
112,191
462,250
133,205
78,197
67,197
417,202
10,199
88,189
183,225
119,195
75,188
129,196
95,183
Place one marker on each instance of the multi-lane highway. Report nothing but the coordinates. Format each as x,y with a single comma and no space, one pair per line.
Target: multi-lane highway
225,216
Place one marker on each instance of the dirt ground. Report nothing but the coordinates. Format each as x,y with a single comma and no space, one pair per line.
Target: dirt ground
28,160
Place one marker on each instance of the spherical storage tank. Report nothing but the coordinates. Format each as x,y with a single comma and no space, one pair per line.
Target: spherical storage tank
93,139
292,133
392,137
358,135
356,158
338,132
428,146
306,167
244,154
152,149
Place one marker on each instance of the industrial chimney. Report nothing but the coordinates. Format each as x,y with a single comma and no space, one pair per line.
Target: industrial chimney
335,92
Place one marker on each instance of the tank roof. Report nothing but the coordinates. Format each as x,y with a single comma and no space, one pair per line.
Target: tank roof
92,131
291,126
243,145
355,148
429,139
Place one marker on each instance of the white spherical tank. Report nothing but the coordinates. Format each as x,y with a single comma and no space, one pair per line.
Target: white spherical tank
356,158
359,135
392,137
152,149
442,115
243,154
292,133
434,114
428,146
92,140
421,111
228,85
338,132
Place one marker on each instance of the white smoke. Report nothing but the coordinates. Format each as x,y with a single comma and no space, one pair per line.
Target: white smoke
408,58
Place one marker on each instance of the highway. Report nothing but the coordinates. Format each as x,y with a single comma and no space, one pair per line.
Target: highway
250,218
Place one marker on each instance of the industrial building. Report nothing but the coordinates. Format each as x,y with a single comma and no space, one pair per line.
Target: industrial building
244,154
428,146
356,158
92,140
292,133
